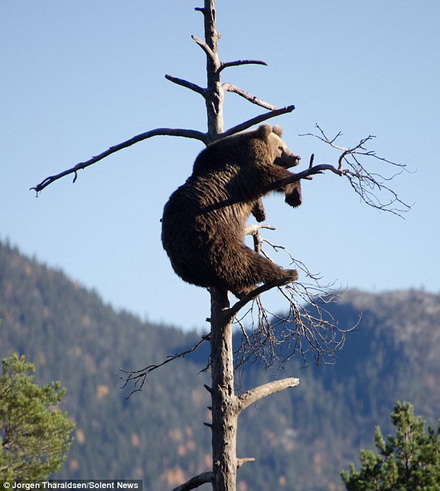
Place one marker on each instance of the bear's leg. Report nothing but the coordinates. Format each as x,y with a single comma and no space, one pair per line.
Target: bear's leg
258,211
248,269
292,193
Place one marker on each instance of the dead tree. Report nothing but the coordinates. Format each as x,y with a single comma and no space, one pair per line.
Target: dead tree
304,325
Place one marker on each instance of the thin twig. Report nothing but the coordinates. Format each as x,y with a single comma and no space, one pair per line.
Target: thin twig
307,328
255,227
254,231
365,183
230,313
139,376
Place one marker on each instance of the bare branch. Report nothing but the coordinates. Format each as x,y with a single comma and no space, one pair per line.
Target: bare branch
205,48
232,311
241,462
254,395
251,98
198,135
311,171
206,477
307,328
256,227
185,83
258,119
228,64
254,230
138,377
364,182
196,481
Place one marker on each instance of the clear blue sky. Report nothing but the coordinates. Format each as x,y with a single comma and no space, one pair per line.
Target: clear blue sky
79,77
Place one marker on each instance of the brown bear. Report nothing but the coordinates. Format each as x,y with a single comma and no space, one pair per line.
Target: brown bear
204,220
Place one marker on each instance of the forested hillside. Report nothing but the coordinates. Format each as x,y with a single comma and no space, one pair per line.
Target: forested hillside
300,438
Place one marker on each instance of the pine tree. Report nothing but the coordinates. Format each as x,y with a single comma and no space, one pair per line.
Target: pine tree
35,437
410,460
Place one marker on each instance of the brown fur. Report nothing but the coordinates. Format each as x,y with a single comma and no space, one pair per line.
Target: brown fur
204,219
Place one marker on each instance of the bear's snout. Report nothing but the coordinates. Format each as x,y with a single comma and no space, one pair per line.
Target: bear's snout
288,159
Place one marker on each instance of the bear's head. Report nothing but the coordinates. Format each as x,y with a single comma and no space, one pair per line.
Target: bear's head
244,149
280,152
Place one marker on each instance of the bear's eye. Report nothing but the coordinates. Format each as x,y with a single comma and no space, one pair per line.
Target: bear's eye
280,148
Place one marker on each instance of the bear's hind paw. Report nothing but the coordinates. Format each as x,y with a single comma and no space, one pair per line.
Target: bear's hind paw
292,274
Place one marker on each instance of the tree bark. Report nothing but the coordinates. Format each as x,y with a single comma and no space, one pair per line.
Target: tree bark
214,90
224,402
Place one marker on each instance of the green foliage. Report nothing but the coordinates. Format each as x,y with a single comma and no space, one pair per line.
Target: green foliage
409,460
34,437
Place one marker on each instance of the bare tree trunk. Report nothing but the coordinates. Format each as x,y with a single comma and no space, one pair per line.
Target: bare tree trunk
224,411
224,404
214,93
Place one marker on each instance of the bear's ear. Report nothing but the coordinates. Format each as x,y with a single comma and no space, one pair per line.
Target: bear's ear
264,131
278,130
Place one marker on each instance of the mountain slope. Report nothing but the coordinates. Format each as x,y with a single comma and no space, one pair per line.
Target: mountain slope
300,438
